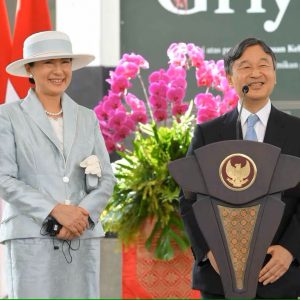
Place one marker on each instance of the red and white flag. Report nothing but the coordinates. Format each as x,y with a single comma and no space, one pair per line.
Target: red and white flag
5,49
31,16
5,55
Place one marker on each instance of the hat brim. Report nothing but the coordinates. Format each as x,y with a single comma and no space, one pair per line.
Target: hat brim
79,61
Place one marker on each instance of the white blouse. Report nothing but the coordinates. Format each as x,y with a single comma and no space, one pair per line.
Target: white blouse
58,127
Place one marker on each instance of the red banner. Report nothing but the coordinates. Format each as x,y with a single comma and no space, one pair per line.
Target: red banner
5,50
31,16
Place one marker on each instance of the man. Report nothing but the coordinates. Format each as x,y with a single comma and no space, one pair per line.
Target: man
252,63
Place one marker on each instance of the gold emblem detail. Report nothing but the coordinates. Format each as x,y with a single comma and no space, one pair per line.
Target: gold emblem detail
239,225
238,172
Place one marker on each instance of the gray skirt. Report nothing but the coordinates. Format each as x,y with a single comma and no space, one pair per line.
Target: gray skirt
34,269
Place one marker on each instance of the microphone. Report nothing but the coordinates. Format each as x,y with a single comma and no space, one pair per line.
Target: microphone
245,90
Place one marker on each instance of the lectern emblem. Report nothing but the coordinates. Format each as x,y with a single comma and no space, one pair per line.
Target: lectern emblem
238,172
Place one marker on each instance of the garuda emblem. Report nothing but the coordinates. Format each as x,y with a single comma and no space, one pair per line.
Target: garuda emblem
237,172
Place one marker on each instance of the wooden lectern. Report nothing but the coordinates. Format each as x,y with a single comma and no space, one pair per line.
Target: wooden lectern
238,208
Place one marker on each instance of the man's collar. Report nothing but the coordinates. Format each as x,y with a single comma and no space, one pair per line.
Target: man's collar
263,113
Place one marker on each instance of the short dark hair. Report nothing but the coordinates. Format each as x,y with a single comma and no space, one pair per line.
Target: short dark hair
237,51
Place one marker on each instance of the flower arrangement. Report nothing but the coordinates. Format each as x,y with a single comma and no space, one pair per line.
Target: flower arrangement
162,124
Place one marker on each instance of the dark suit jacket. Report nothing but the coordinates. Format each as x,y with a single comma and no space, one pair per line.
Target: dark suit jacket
280,132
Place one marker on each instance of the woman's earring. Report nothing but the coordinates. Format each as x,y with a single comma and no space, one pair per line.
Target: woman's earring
30,76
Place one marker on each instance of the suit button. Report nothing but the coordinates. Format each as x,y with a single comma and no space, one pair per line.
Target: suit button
66,179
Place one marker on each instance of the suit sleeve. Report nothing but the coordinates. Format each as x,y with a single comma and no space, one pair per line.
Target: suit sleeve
96,200
27,200
289,229
290,239
199,245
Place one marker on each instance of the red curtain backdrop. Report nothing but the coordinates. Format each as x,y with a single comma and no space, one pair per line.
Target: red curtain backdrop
144,277
31,16
5,49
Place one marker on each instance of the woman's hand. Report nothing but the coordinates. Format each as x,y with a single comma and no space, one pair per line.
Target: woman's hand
65,234
74,218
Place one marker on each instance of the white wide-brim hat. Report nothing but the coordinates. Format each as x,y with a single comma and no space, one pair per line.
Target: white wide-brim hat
47,45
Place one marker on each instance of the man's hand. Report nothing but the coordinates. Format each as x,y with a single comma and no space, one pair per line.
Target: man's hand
277,266
213,262
74,218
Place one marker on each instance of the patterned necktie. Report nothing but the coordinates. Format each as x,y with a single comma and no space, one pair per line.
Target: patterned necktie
250,133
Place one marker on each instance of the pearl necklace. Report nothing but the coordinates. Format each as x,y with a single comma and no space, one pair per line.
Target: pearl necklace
54,114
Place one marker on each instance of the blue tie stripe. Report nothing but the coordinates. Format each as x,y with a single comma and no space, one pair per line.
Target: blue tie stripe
250,133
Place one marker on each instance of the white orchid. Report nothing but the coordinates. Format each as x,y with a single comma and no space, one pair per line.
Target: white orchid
92,165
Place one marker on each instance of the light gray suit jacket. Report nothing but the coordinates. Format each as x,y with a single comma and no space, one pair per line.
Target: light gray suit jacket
35,174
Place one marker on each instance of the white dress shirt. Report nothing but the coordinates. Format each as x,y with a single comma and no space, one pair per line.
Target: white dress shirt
261,125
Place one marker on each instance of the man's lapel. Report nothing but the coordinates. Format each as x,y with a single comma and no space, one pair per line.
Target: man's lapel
228,129
34,109
70,110
275,129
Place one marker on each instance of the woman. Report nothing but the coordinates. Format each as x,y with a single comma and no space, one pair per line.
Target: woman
55,177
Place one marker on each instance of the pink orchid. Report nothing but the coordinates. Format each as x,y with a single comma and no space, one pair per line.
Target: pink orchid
129,123
121,133
106,131
179,82
160,115
196,55
204,100
176,72
119,83
116,121
158,102
136,59
159,75
220,67
158,89
179,109
112,103
204,75
100,113
205,114
175,94
177,54
135,103
230,98
127,69
139,117
120,112
223,85
110,144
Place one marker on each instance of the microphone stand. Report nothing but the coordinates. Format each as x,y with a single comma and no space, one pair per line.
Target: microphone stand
245,90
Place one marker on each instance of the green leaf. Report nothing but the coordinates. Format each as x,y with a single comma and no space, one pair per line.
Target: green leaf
147,129
125,166
146,189
152,235
164,250
181,242
125,156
